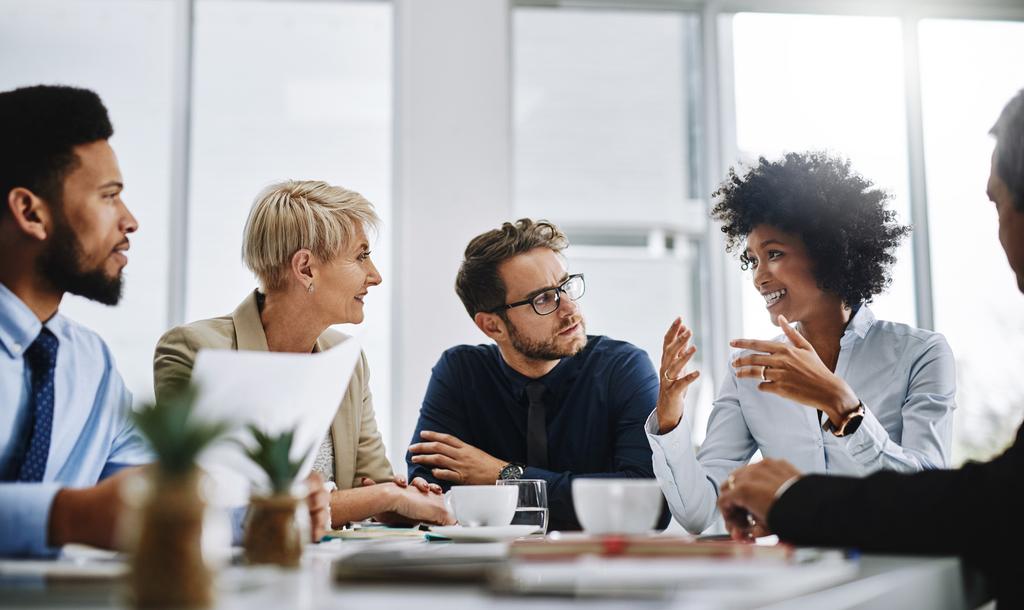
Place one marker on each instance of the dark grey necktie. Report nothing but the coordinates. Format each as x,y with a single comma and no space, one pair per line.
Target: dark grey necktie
536,427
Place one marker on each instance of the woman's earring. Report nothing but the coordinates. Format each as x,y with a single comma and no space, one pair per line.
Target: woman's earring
309,288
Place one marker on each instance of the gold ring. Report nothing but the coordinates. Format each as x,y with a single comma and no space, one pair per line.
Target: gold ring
763,378
667,378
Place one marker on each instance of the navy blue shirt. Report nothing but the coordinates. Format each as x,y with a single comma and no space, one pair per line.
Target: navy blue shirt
596,403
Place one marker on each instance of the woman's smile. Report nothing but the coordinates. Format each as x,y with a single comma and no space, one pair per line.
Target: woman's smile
771,298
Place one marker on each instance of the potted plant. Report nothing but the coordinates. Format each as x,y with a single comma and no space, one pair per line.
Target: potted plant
167,564
272,532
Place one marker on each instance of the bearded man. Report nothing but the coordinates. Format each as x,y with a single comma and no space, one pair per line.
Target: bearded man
64,427
545,400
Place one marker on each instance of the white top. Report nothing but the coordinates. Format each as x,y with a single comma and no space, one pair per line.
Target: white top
905,377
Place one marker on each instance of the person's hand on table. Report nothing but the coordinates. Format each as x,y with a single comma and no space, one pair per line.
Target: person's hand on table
452,460
419,483
410,505
318,499
747,495
89,515
676,353
795,372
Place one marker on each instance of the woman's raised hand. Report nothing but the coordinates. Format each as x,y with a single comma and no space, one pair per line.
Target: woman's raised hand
675,355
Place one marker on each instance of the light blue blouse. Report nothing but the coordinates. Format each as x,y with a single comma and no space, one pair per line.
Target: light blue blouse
92,436
905,377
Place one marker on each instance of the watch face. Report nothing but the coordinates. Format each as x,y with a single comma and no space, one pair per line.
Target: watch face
512,471
853,423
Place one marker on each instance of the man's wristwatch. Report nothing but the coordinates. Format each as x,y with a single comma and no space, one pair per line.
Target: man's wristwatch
849,425
512,472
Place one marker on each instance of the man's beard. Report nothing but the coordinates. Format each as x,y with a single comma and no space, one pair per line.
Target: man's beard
61,265
544,350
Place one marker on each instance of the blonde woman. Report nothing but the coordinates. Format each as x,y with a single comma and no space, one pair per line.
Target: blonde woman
306,243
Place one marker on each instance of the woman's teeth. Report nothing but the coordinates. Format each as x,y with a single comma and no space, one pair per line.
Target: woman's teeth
771,298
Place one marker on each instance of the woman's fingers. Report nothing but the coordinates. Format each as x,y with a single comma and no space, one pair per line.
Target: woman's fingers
794,335
756,360
675,368
752,372
681,383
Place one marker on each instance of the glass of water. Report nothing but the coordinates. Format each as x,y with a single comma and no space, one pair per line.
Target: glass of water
533,503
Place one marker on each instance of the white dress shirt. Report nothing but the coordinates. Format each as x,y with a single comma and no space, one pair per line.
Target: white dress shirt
905,377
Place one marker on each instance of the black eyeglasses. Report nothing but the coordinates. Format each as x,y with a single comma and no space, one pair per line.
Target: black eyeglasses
547,301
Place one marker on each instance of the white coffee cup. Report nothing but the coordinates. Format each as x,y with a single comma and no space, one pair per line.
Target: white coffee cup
616,506
476,505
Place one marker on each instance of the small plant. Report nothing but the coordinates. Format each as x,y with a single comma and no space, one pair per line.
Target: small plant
272,454
168,570
272,534
175,439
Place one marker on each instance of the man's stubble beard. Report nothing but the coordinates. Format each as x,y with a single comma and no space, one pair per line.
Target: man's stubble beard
544,350
61,265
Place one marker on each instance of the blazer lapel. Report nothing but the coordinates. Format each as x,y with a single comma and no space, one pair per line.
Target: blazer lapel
249,333
344,429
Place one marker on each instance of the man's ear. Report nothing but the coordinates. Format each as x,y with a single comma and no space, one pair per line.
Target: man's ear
30,213
490,324
302,267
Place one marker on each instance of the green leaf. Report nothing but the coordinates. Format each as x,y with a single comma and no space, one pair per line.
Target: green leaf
271,453
175,438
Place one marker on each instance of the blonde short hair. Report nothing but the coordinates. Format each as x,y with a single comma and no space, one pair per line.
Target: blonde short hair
296,214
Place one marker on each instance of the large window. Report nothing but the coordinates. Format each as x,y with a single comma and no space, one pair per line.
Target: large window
969,70
833,83
279,90
604,131
124,51
311,101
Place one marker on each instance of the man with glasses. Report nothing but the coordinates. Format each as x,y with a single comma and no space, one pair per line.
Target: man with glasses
544,401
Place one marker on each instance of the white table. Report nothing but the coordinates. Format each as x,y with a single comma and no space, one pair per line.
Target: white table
868,582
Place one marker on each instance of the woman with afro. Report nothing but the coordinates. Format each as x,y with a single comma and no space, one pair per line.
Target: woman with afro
839,391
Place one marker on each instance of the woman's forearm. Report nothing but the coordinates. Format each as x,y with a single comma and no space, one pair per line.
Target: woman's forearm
359,503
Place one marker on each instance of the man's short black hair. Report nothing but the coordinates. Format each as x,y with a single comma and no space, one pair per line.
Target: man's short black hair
1009,133
841,217
39,128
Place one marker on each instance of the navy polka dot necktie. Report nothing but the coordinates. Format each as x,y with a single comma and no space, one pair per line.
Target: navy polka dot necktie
41,358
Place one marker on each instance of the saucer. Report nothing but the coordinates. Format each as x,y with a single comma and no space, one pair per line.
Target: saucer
484,533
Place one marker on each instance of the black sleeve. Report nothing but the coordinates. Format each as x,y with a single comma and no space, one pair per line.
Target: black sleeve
441,412
974,512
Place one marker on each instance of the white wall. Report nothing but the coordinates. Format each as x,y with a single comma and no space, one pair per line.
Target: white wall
452,178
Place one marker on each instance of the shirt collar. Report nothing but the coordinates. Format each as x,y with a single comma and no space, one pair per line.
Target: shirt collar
552,380
861,322
19,327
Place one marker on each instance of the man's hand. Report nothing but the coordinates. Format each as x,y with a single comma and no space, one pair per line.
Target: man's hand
676,353
453,460
797,373
749,493
89,515
409,506
319,502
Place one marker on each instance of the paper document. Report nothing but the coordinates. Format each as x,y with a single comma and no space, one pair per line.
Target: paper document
274,392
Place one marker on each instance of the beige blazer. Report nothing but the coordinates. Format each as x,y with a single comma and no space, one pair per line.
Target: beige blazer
358,448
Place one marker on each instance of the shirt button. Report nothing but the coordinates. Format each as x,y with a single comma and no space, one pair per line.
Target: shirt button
16,348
